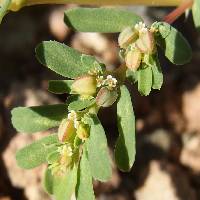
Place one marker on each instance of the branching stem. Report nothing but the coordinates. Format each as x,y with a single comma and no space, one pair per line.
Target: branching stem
171,17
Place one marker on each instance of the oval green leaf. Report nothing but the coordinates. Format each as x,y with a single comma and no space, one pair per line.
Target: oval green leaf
47,181
174,45
38,118
98,155
60,86
145,80
104,20
81,104
84,187
64,185
125,146
64,60
35,154
157,75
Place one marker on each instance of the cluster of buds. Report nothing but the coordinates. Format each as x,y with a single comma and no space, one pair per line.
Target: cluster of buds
63,159
109,82
135,43
96,85
72,132
72,127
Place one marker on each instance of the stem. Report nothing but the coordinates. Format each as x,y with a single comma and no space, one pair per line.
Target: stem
109,2
171,17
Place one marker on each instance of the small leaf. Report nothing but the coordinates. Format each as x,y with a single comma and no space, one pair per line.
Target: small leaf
174,45
196,13
106,97
144,80
157,75
105,20
53,157
98,155
47,181
38,118
80,104
35,154
60,86
125,146
63,59
64,185
84,187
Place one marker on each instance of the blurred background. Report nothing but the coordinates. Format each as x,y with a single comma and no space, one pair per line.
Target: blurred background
167,164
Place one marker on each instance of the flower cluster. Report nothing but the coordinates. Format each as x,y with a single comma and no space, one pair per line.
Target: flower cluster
72,132
135,43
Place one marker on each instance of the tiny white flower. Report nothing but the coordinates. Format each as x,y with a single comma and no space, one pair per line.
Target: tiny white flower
141,27
111,82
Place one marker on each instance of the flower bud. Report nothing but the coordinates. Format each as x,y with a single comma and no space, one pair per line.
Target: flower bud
84,85
145,43
106,97
133,59
66,130
83,131
126,37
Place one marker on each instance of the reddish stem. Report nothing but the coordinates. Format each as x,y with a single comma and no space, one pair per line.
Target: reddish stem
172,16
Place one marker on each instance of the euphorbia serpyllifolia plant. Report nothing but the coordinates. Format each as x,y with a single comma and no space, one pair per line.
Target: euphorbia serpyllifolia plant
77,153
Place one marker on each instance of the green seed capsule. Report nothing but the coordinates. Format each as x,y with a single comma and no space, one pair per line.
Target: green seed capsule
106,97
145,43
85,85
127,36
66,130
133,59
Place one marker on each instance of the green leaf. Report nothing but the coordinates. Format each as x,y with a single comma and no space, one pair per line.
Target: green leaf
35,154
38,118
98,155
47,181
196,13
125,146
64,185
3,8
174,45
157,75
60,86
105,20
144,80
80,104
53,157
84,187
64,60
